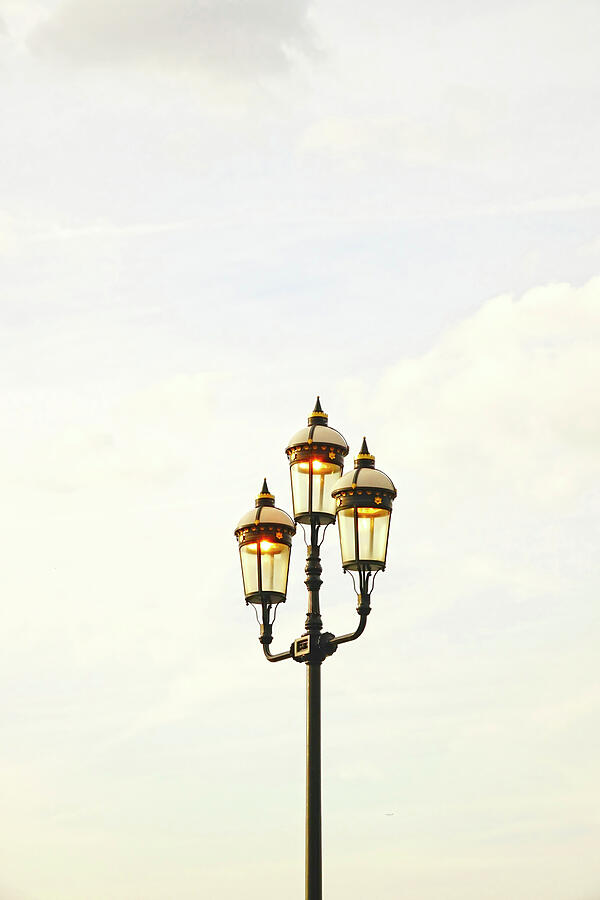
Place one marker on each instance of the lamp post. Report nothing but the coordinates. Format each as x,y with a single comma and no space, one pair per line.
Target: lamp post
361,501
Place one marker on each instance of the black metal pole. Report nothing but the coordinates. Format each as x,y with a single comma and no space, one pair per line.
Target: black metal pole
313,782
313,878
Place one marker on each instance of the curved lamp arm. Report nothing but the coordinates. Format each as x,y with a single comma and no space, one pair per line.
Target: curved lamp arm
276,657
266,636
363,609
353,635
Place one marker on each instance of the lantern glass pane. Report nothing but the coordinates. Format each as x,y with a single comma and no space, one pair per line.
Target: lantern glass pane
323,474
300,480
345,519
274,561
373,525
249,568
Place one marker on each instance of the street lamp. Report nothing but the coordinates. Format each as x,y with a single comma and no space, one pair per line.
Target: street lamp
316,454
361,501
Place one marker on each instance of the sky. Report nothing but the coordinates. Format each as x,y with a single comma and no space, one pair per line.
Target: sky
211,212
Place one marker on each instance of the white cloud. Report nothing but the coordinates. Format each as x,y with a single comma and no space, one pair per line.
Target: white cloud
508,400
467,127
356,141
7,232
149,439
18,18
235,37
590,248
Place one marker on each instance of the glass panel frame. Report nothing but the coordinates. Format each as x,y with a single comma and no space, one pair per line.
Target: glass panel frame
347,533
372,532
363,533
265,566
300,483
248,558
313,480
274,565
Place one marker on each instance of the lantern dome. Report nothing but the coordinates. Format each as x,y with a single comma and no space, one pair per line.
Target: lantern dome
363,477
265,514
318,432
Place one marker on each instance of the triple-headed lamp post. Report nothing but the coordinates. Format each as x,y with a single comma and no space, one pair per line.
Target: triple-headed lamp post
361,501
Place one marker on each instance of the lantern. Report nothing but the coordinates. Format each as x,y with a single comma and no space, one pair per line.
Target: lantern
316,454
363,500
264,537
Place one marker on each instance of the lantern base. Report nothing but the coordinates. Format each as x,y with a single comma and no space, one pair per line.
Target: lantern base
365,565
320,518
260,597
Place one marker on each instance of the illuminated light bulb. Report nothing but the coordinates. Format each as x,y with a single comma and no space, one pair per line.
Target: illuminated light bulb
319,467
265,547
369,512
269,547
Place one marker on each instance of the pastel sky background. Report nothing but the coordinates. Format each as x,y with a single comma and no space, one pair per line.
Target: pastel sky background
209,213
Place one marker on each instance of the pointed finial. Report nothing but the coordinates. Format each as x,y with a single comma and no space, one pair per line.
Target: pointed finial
265,498
318,417
364,458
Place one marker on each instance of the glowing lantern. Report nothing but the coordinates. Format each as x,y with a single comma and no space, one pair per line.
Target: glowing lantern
316,454
264,537
364,500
